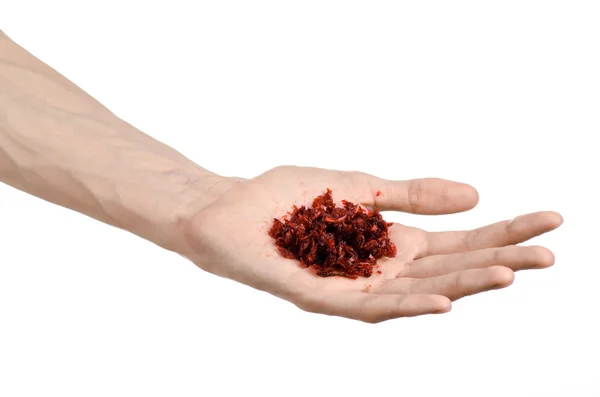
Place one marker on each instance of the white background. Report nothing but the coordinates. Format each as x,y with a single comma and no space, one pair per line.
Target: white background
502,95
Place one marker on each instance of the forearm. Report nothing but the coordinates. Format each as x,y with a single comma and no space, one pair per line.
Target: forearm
58,143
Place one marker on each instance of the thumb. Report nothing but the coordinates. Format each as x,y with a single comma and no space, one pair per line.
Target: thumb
428,196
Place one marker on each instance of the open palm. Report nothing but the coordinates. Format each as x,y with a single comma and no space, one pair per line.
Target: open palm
230,238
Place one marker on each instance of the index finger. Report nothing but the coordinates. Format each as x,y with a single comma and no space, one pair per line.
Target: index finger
500,234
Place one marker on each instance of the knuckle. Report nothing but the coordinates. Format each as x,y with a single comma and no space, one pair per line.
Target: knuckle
461,281
415,195
408,285
363,312
497,255
471,239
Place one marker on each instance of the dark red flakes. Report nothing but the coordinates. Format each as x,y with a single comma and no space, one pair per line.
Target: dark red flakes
335,241
378,193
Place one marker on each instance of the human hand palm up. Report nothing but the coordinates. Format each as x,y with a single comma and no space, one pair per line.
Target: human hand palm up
230,238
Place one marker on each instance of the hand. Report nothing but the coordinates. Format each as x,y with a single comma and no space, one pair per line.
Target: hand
230,238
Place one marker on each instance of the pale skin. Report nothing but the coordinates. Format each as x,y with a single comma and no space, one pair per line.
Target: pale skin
58,143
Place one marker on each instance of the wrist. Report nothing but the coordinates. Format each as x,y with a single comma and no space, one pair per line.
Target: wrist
184,192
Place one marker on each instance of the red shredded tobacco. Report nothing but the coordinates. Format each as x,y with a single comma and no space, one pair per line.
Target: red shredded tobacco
335,241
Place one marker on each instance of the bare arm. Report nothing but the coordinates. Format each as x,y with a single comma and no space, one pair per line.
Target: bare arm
58,143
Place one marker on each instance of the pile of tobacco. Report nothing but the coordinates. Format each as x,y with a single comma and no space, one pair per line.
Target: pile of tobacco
335,241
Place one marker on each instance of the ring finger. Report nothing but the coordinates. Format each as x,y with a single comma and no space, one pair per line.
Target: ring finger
454,285
514,257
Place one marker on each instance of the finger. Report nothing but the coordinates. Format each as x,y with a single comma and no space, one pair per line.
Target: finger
514,257
374,308
454,285
515,231
430,196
